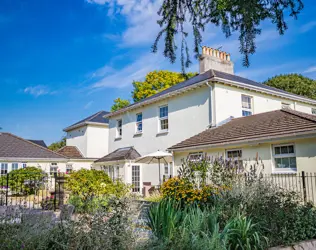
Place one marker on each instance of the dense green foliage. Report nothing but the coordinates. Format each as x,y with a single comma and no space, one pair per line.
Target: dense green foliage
196,228
157,81
244,17
24,180
294,83
58,145
119,104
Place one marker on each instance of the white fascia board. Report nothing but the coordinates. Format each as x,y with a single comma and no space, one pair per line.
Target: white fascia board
249,142
265,91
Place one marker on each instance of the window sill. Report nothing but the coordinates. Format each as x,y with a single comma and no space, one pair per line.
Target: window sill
162,133
138,134
118,138
285,171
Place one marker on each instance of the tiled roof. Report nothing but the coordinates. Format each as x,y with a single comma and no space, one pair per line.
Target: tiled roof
268,125
12,146
71,152
128,153
214,75
39,142
95,118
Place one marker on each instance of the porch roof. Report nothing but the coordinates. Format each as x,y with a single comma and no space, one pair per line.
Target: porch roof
120,154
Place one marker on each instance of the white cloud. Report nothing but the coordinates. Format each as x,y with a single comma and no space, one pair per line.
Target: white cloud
310,70
308,26
38,90
88,105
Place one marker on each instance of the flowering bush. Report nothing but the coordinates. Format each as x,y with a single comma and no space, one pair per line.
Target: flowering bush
182,190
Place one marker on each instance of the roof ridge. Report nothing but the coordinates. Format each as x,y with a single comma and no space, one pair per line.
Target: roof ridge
300,114
92,116
34,144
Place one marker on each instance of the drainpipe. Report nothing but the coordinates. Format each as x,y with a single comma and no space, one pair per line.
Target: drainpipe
212,116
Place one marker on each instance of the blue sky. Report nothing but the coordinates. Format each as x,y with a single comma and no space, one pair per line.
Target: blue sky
63,60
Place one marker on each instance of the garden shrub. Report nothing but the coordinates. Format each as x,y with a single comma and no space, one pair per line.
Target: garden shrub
25,181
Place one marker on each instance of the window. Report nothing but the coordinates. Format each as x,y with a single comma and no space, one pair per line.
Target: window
235,156
284,157
246,103
163,118
15,166
314,111
23,165
69,168
285,105
112,172
195,156
53,169
166,169
136,178
4,168
119,128
139,123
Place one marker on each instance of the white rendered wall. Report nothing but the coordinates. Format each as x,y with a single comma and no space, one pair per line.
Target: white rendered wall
228,102
97,141
78,138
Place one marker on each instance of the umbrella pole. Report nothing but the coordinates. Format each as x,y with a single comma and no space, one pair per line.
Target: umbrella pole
159,172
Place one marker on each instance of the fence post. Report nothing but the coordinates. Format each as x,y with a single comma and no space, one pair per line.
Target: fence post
304,185
7,190
55,193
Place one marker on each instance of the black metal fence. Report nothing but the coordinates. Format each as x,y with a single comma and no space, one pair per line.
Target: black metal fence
32,190
303,183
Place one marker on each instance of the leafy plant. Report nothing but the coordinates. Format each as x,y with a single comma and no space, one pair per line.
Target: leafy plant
24,180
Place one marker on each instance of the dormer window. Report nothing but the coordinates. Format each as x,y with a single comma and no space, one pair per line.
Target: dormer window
163,119
246,103
119,128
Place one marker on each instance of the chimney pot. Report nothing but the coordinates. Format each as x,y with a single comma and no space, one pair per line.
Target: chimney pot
215,59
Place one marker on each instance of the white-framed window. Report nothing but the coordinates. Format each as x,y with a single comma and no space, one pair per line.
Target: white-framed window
314,111
196,156
246,104
284,157
139,123
69,168
112,171
4,168
53,169
285,105
235,155
136,178
163,118
119,128
166,169
15,166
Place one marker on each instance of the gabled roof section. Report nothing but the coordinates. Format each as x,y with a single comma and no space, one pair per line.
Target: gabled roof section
12,146
121,154
214,76
39,142
71,152
269,125
97,118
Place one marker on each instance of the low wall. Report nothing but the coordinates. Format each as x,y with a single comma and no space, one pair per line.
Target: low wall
304,245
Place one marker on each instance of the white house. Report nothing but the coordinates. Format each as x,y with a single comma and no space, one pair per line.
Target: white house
86,141
210,99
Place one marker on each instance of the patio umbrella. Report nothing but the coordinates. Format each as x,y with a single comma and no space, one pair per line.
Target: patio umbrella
156,157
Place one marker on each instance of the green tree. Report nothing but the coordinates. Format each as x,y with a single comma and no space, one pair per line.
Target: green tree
294,83
25,180
58,145
157,81
119,104
244,17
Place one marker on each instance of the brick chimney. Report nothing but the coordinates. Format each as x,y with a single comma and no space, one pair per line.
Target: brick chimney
215,59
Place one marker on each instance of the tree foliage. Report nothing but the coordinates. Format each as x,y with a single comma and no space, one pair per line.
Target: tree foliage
25,180
294,83
119,104
58,145
244,17
92,183
157,81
